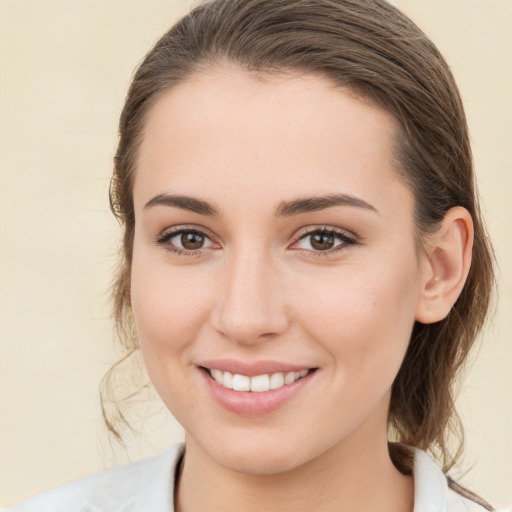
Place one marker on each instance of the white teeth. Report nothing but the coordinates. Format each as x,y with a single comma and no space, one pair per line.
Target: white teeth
241,382
260,383
257,384
289,378
276,381
217,375
227,380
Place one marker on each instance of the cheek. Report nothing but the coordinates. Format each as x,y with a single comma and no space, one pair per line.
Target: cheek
363,316
168,310
168,315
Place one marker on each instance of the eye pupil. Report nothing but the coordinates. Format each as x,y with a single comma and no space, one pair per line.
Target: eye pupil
192,240
322,241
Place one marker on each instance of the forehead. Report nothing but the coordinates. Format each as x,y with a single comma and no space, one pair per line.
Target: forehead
227,126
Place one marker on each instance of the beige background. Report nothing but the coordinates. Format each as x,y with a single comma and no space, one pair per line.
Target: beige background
64,70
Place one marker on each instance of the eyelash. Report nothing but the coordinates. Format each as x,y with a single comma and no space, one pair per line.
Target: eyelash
340,235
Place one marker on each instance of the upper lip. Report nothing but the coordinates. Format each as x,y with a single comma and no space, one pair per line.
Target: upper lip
252,368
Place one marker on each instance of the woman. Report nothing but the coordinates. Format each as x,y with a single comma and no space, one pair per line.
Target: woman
304,262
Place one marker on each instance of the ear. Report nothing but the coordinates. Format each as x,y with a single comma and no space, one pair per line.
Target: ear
446,266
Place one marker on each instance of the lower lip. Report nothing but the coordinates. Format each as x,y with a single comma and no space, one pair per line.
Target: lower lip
249,403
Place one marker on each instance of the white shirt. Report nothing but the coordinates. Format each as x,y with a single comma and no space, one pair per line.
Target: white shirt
148,486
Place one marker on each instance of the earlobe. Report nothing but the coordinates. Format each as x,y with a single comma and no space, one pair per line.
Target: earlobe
446,266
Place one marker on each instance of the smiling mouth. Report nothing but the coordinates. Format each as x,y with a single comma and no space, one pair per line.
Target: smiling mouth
257,383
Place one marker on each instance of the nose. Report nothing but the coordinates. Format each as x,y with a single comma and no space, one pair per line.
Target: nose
250,305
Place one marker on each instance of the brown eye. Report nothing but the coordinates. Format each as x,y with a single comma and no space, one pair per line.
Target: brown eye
322,241
191,240
185,241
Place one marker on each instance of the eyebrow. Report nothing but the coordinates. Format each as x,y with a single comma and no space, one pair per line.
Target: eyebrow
285,208
185,203
314,204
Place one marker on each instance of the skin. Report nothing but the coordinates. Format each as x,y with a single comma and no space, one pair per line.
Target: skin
258,291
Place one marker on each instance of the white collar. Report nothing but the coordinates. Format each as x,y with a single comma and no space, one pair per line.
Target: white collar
149,485
430,484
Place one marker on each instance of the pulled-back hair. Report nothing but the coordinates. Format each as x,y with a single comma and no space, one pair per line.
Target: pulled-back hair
372,49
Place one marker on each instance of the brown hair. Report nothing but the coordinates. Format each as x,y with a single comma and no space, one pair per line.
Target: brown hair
371,48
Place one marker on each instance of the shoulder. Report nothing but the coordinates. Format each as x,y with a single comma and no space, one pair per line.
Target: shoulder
431,489
457,503
139,486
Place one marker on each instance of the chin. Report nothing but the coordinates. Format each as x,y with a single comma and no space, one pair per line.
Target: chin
260,463
250,455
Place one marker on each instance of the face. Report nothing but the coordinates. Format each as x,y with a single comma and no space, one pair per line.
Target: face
275,276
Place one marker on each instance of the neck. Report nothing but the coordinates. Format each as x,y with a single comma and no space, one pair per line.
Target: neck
346,478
